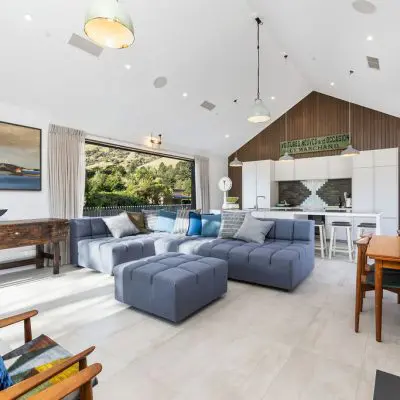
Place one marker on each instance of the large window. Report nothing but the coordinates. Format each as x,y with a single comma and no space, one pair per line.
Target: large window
117,176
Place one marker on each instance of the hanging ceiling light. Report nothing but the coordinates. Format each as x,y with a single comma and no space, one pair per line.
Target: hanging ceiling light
108,25
286,156
236,162
259,112
350,150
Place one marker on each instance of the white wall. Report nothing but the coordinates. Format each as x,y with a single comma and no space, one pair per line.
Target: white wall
20,204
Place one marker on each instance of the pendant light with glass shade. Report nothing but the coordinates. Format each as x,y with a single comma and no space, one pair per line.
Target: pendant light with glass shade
286,156
259,112
350,151
108,25
236,162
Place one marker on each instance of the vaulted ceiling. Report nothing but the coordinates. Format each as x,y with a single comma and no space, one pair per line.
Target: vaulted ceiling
205,48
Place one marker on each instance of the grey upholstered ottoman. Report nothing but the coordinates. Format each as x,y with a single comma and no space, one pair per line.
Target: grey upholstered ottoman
173,285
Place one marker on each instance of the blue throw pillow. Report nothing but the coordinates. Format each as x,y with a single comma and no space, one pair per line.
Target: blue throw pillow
165,221
5,380
210,225
194,224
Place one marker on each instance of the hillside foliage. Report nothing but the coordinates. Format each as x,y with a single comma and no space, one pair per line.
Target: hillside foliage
116,177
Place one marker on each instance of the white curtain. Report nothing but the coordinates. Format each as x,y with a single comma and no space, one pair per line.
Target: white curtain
202,176
66,154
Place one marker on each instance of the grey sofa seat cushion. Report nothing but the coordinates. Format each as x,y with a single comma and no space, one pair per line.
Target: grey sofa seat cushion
172,285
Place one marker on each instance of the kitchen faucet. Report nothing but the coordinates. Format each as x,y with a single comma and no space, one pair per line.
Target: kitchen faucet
258,197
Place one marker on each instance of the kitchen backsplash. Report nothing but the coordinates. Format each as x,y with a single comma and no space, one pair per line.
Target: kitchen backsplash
314,193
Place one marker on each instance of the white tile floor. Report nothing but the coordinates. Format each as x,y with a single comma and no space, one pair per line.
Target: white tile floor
256,343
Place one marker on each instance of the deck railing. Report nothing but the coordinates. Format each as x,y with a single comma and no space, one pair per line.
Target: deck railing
110,211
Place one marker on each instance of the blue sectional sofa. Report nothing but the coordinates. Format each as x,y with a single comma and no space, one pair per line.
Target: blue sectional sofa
284,260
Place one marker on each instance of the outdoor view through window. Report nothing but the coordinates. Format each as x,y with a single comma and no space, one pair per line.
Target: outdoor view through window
118,177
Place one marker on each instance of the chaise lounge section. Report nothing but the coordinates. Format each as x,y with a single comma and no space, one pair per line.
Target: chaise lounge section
283,261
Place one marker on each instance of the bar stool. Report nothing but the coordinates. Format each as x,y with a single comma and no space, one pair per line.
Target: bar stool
349,234
363,226
320,226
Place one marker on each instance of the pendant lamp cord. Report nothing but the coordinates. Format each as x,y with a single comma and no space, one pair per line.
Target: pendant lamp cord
259,22
350,74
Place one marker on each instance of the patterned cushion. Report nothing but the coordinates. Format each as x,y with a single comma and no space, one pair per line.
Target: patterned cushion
5,380
231,222
150,219
210,225
121,225
138,219
182,222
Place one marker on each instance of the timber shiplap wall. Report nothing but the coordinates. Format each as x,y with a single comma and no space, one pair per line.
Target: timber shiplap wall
319,115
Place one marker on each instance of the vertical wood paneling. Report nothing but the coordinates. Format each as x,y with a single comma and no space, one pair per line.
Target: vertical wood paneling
319,115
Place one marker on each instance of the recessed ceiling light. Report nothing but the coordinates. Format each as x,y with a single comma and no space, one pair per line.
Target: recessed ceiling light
128,66
370,38
272,97
160,82
227,136
364,6
332,84
28,17
184,94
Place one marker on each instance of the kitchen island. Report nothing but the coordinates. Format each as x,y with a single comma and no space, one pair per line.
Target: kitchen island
354,218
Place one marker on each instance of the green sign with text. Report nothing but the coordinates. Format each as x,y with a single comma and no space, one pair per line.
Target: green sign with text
310,145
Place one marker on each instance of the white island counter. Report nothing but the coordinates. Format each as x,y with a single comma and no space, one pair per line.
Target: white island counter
354,218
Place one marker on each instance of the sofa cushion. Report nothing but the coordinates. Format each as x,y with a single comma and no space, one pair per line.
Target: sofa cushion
165,221
182,222
5,380
194,224
138,219
231,221
253,230
121,225
150,219
210,225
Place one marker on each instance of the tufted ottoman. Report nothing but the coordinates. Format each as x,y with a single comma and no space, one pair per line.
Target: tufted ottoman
173,285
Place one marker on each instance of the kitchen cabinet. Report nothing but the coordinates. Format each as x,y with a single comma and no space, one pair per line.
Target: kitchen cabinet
389,226
386,157
311,168
258,180
364,160
386,191
339,167
284,171
363,190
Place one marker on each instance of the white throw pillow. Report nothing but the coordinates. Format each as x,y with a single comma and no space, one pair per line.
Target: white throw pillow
254,230
121,225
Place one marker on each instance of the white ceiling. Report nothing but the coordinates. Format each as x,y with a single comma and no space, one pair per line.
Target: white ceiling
205,48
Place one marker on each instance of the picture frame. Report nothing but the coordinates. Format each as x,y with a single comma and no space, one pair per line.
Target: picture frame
20,157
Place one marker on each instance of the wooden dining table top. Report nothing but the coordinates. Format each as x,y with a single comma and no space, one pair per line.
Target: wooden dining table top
384,248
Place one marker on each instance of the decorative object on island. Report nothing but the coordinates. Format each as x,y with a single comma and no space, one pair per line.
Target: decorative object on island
35,232
225,185
286,156
259,112
236,162
20,157
108,25
350,150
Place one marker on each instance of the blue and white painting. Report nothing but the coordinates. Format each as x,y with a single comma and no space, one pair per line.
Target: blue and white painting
20,157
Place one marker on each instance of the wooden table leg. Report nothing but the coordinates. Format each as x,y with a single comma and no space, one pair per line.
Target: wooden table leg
56,260
378,299
39,256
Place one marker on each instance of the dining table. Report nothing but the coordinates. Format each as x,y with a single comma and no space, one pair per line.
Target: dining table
385,250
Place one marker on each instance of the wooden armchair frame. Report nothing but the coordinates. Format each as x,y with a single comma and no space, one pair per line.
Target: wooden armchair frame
82,380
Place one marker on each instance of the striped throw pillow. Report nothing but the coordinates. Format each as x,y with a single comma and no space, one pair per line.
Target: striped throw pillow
231,221
150,218
182,222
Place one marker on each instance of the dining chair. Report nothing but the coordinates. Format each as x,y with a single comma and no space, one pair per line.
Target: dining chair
365,280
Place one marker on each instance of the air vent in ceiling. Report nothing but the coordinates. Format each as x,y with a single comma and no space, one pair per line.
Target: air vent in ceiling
373,62
85,45
207,105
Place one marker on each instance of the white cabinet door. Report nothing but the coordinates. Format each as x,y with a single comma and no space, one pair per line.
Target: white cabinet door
311,168
389,226
284,171
340,167
364,160
386,193
386,157
363,190
249,184
263,183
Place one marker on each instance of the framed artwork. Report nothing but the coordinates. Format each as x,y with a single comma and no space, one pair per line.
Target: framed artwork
20,157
